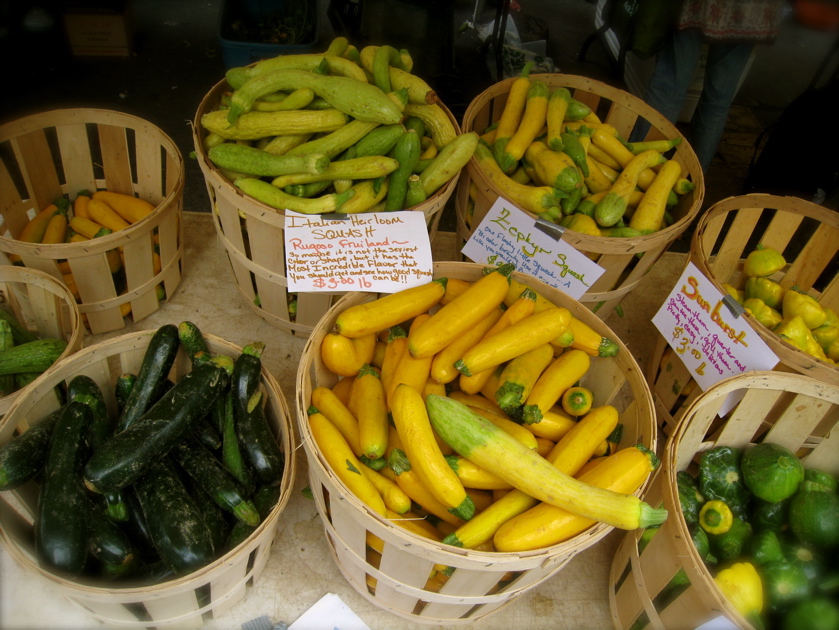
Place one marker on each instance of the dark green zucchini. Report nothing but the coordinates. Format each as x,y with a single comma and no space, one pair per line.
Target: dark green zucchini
255,437
264,499
136,525
206,433
105,540
112,572
126,456
24,456
214,516
192,339
210,474
217,414
231,451
115,506
61,524
84,389
122,389
176,525
154,369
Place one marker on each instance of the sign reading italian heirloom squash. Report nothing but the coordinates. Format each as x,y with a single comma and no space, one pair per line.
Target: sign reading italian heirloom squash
378,252
711,340
509,235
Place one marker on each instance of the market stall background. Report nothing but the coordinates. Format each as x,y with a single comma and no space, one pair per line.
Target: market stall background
175,57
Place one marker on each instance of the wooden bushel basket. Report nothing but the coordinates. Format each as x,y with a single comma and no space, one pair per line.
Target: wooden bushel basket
482,582
61,152
44,306
184,601
252,235
808,237
788,409
620,257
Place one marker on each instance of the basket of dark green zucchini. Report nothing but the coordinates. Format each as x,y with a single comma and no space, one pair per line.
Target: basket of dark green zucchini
341,132
39,324
151,466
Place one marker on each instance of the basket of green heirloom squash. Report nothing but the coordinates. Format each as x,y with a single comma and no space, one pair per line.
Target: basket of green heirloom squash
749,480
181,543
777,257
312,134
38,316
55,157
420,561
554,145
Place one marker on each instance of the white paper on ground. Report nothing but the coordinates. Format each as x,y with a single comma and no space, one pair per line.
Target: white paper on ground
717,623
329,613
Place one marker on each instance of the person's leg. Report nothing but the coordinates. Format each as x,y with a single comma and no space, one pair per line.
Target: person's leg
674,70
722,75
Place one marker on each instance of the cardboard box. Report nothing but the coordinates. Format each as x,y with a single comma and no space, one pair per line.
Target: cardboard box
102,29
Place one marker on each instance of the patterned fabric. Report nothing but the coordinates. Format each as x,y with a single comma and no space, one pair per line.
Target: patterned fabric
755,21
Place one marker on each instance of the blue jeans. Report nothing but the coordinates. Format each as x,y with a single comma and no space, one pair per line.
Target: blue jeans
674,70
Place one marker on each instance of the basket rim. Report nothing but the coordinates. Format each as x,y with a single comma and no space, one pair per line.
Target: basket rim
181,582
683,148
261,210
32,122
316,461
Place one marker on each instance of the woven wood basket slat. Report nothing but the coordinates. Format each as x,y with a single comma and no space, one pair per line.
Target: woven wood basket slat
175,603
57,154
799,413
807,235
252,235
474,590
617,255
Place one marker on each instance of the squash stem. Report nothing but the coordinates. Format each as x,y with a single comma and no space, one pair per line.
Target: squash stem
650,516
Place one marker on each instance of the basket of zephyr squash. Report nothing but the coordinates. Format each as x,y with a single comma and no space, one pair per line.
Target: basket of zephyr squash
334,133
554,145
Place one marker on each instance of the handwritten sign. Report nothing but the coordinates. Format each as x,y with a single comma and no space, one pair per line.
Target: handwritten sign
509,235
379,252
711,342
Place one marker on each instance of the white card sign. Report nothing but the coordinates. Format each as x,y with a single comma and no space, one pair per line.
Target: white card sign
509,235
378,252
710,340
